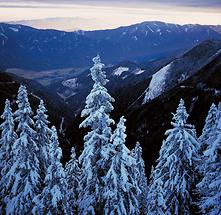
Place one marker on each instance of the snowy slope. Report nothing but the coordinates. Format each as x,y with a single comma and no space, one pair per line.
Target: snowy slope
157,84
71,83
120,70
182,68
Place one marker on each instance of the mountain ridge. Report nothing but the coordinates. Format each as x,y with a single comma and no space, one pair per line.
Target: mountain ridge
182,68
29,48
147,123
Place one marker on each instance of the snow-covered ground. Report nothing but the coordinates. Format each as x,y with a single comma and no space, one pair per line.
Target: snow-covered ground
157,84
139,71
71,83
14,29
120,70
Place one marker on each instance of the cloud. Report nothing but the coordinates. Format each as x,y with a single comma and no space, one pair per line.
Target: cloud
125,3
102,14
61,23
193,3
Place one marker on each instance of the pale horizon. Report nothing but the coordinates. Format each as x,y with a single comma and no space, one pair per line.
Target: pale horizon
93,15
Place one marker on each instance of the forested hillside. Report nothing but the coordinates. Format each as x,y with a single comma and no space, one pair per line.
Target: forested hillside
108,177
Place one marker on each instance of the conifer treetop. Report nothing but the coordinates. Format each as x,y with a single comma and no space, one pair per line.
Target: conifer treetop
97,74
41,119
181,115
211,120
218,117
7,109
98,98
119,135
41,109
55,149
22,100
7,126
24,112
209,131
73,153
8,137
138,150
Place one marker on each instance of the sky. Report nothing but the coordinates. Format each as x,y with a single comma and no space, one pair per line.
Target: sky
106,14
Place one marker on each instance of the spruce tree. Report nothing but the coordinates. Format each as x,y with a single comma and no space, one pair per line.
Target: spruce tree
176,168
218,117
53,198
208,133
141,178
73,175
23,176
43,138
95,156
209,188
8,137
121,188
156,203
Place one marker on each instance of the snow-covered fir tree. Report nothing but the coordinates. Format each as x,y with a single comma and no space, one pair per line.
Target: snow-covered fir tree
23,177
53,198
73,176
121,188
141,178
176,168
43,138
156,204
95,156
218,116
8,137
209,135
208,132
209,188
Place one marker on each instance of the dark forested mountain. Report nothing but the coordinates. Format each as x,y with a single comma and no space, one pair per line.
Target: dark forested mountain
147,123
57,110
72,86
9,84
28,48
75,89
181,68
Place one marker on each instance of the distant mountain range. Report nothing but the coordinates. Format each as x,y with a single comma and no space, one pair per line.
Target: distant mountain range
28,48
216,28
